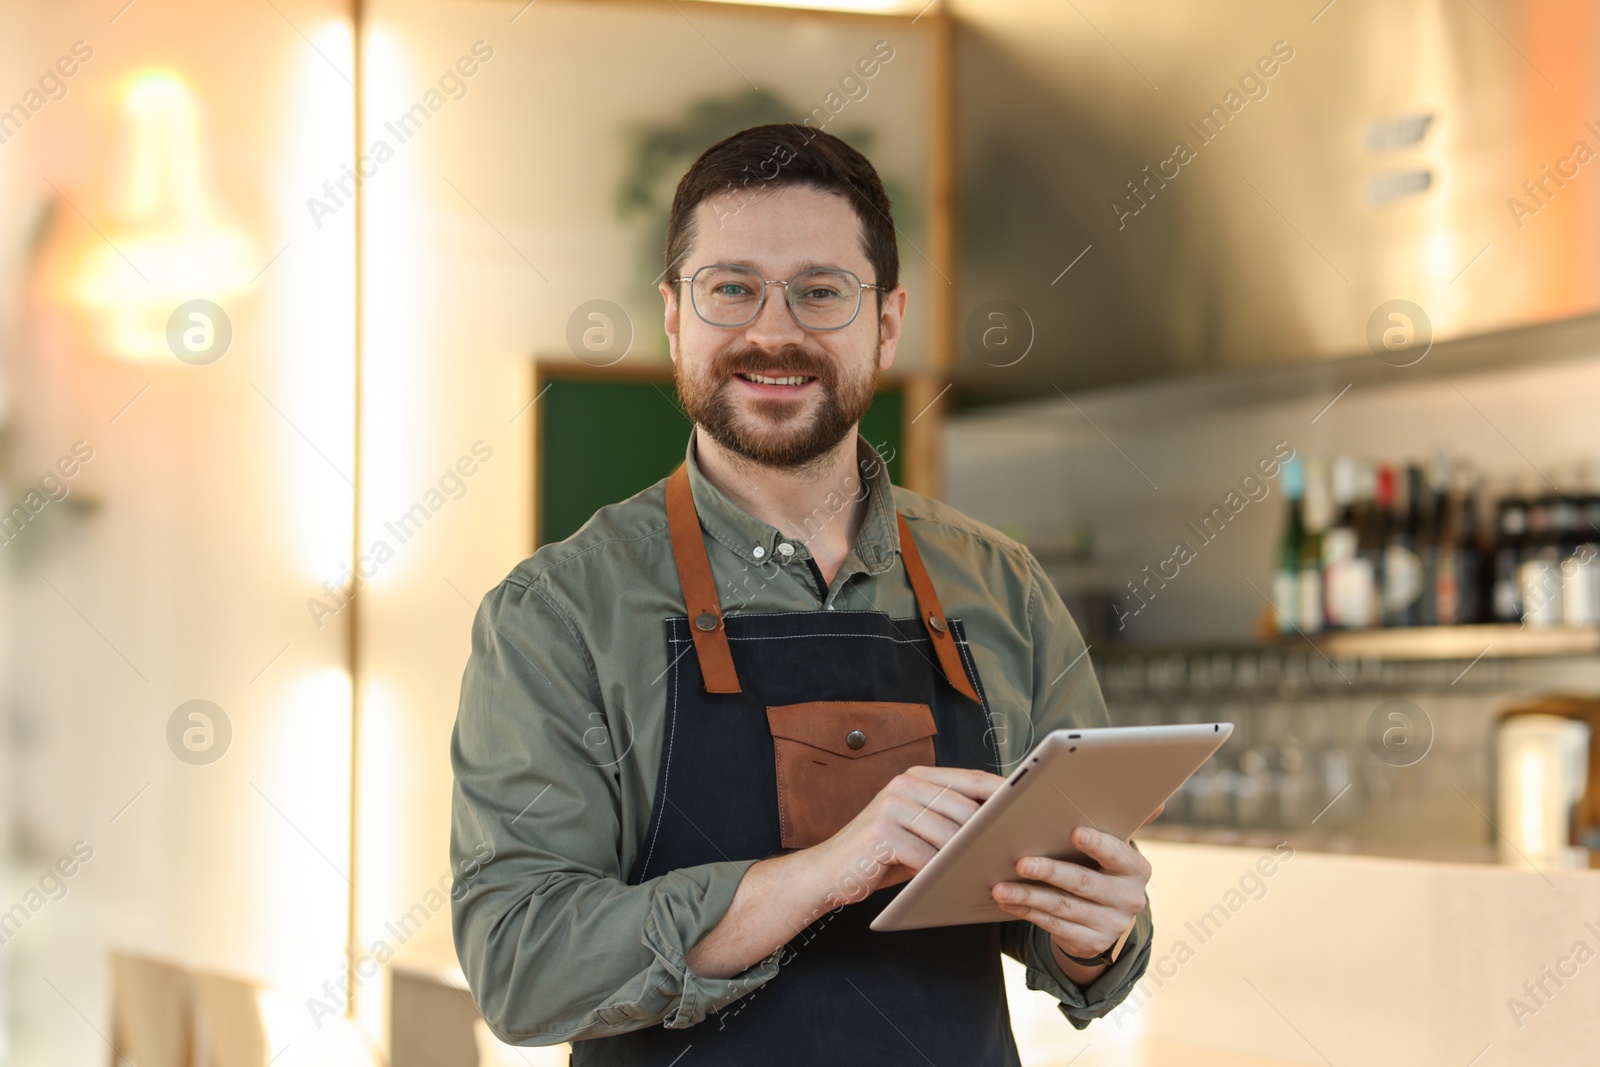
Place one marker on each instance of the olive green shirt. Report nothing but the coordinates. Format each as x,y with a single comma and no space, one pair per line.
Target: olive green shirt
558,740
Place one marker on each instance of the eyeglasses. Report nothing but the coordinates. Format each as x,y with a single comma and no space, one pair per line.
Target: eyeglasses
821,299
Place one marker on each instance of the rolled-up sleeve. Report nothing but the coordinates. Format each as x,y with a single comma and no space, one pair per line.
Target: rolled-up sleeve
1066,695
554,943
1030,945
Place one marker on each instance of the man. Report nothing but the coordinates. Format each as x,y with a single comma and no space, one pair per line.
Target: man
702,739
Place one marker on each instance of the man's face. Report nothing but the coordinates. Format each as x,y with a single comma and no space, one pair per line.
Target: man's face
786,423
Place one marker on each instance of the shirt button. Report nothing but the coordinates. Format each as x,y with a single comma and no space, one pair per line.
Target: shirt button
758,552
830,607
785,549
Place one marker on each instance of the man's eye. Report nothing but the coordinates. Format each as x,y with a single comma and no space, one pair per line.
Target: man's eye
821,293
731,289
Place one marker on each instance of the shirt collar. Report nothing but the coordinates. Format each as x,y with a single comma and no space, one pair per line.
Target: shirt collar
756,542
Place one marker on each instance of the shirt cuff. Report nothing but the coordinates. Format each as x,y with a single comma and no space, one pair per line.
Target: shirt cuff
1082,1005
676,922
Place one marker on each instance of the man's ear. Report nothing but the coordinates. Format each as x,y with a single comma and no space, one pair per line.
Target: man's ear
891,322
670,317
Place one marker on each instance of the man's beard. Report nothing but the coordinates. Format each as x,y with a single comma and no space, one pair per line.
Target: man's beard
774,432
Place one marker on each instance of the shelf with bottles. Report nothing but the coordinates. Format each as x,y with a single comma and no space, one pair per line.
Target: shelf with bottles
1366,547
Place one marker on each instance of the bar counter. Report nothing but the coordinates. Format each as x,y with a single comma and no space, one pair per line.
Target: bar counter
1347,959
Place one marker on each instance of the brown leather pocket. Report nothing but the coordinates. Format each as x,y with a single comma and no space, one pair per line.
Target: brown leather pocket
833,757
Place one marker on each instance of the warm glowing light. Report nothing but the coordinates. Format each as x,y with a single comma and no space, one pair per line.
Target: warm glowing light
398,392
308,320
305,775
169,246
382,888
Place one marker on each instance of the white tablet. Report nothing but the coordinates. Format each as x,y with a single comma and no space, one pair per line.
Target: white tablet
1111,778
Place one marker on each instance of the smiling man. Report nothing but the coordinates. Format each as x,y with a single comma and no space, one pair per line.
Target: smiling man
709,735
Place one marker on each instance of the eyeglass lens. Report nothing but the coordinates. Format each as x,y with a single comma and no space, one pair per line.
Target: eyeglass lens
731,296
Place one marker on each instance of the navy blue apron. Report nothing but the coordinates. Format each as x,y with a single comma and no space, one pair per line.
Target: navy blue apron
843,994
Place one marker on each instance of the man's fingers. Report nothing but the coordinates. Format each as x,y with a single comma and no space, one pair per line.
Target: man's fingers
1155,815
1063,905
1113,856
1076,938
970,782
910,850
1069,877
935,822
945,799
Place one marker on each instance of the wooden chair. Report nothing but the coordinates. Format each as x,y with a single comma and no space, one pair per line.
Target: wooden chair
231,1019
434,1023
152,1012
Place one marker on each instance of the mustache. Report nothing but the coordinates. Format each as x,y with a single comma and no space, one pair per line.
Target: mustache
787,361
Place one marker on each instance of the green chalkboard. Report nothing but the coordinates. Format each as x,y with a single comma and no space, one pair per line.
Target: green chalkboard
602,441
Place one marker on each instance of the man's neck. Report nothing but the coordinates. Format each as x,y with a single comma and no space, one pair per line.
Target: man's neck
796,502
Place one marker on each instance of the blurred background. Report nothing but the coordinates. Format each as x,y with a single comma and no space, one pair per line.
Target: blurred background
1271,328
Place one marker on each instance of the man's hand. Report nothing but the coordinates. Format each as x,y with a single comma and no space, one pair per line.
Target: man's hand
886,843
1084,910
900,829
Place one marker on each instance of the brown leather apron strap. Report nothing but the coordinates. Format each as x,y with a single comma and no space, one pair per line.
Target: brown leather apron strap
933,619
699,587
705,608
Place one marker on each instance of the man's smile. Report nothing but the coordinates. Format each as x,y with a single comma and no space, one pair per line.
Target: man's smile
774,384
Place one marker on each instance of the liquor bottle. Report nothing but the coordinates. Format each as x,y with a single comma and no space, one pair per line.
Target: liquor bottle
1318,513
1510,538
1580,570
1538,568
1374,536
1589,549
1472,552
1343,606
1286,572
1402,568
1459,557
1431,519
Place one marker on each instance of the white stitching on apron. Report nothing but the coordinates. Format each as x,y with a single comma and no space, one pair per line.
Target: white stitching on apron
666,768
977,685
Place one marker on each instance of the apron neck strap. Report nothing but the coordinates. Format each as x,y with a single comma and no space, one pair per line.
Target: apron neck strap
699,587
705,608
933,618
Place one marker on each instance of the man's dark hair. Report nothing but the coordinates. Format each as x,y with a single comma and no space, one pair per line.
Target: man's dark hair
766,157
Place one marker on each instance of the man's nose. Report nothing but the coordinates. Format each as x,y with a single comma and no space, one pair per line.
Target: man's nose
775,328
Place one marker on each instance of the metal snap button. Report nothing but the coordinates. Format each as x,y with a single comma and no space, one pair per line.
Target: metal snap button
855,738
705,621
936,622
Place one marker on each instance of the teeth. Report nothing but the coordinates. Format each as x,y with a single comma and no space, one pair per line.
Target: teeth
793,379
